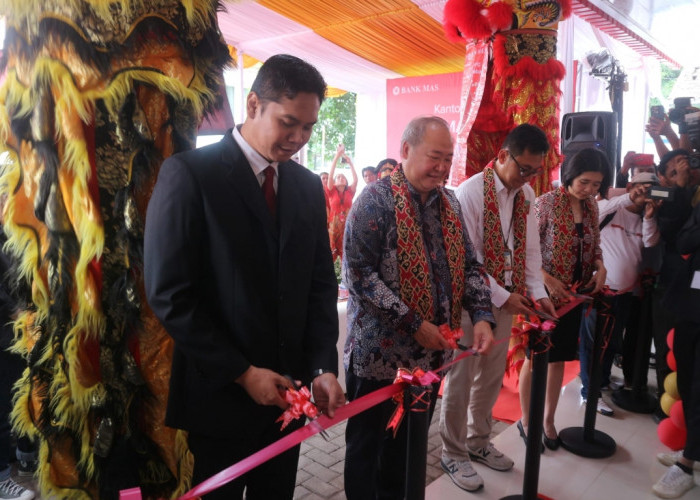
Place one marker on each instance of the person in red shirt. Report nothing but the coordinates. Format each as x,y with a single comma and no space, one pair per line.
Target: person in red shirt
340,196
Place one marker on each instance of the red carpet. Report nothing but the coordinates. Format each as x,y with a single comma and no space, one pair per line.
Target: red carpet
507,407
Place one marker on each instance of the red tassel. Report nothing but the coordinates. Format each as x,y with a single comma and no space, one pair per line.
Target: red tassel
464,20
565,8
500,16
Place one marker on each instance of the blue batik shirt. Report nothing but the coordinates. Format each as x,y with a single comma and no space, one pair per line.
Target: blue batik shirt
380,325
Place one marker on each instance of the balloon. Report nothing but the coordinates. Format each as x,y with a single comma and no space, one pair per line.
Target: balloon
666,402
670,435
671,385
677,414
671,361
669,338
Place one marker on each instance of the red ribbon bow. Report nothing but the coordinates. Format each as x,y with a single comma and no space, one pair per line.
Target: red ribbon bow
452,336
406,376
299,404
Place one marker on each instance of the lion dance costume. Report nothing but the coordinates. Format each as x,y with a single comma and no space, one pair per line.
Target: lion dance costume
511,76
97,93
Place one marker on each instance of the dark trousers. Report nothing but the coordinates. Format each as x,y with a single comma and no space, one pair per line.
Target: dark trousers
375,461
630,343
662,321
686,349
273,480
619,312
11,366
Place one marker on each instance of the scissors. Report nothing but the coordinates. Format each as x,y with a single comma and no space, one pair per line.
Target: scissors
467,348
538,312
322,432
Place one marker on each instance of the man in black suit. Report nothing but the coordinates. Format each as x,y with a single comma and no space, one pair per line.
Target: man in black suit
238,269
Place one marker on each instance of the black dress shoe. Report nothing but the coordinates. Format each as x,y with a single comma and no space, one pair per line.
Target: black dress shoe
552,444
524,436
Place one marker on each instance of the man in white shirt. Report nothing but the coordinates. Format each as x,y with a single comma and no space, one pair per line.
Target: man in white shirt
496,204
628,224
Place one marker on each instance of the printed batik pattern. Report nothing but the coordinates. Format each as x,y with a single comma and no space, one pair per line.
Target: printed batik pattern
380,325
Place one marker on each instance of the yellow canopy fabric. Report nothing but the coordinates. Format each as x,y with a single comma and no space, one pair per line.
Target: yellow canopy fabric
394,34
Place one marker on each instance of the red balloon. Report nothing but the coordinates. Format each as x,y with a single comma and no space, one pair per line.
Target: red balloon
670,435
677,415
669,338
671,361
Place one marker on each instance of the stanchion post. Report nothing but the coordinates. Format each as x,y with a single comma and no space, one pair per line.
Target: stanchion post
540,358
538,390
639,400
586,441
417,405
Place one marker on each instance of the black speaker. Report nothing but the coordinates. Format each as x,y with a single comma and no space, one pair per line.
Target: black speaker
589,129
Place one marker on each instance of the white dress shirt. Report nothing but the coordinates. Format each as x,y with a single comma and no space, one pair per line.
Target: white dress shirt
470,195
257,162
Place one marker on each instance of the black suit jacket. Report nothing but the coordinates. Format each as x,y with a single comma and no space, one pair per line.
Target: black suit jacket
681,297
234,287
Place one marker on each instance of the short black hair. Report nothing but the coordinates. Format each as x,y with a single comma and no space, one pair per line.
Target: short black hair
588,160
390,161
663,164
283,75
368,169
526,137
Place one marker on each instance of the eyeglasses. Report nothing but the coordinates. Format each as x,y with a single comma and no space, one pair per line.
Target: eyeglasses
526,172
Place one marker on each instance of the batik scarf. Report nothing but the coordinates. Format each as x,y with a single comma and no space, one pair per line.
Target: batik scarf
415,287
565,251
495,244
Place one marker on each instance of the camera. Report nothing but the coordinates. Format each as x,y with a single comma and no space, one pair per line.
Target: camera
661,193
678,112
694,160
657,112
692,128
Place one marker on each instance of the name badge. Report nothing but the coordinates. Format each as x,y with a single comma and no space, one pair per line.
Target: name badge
696,281
507,260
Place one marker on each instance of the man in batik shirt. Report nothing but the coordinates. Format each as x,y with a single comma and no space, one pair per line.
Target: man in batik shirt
409,267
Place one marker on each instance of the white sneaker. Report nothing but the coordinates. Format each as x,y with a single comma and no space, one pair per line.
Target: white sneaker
491,457
674,483
462,474
672,457
11,490
602,407
612,386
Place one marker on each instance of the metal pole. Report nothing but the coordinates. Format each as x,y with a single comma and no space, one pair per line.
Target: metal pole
417,405
536,418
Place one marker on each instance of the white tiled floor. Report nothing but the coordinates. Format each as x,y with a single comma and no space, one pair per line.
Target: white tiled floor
627,475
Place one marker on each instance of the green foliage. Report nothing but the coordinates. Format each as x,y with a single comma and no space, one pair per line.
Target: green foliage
669,76
337,117
338,264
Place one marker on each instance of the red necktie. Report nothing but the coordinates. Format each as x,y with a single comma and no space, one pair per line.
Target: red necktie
268,188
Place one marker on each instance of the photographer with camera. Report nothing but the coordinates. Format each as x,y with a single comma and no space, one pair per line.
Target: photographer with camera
676,193
627,224
633,164
683,297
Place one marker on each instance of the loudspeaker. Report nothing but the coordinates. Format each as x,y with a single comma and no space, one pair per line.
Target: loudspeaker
589,129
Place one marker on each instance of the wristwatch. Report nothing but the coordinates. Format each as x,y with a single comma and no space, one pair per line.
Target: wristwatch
320,371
